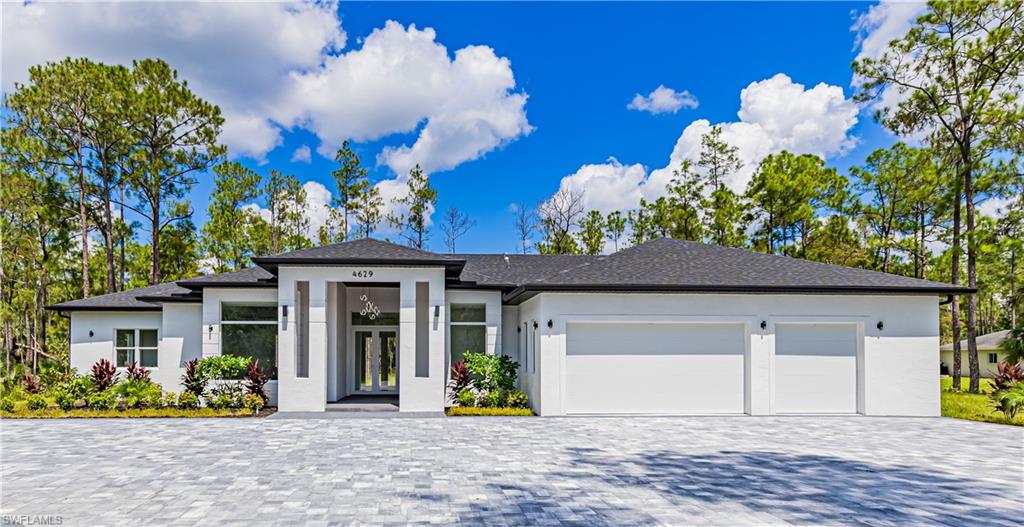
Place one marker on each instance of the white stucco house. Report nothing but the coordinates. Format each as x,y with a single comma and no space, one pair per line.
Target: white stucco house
665,327
990,353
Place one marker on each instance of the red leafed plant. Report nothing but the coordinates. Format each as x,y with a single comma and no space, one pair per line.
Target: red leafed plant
32,384
1007,374
104,375
458,380
255,379
137,373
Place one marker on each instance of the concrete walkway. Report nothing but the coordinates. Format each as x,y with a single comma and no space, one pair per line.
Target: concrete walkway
524,471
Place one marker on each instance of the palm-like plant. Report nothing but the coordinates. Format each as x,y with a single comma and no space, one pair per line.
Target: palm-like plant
1013,344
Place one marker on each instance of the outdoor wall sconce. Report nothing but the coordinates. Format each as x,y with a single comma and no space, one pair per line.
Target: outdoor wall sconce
880,325
551,324
519,329
284,310
210,333
764,325
535,324
90,333
437,315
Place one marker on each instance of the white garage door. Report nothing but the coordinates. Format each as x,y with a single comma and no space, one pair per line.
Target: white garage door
815,368
669,368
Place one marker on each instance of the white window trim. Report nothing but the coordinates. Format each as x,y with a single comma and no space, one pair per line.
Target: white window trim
136,357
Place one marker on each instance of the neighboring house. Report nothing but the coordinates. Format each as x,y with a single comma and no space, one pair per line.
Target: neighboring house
665,327
990,352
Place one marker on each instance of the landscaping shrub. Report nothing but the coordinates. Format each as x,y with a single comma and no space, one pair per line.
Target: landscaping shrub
1007,374
137,373
135,393
255,380
225,395
458,380
105,400
64,399
459,410
193,379
187,401
492,399
37,402
253,402
104,375
224,367
32,384
465,397
1009,400
170,400
491,372
6,405
517,399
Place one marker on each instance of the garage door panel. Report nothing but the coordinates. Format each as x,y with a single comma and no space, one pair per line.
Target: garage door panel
654,368
815,368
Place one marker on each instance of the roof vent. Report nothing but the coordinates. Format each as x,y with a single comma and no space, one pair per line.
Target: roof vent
508,265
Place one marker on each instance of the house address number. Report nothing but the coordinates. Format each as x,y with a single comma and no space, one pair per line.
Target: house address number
363,274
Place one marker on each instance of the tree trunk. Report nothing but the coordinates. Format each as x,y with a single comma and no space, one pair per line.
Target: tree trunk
108,232
972,281
955,280
83,218
154,269
122,269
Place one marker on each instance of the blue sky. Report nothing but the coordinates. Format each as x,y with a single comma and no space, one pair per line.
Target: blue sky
578,64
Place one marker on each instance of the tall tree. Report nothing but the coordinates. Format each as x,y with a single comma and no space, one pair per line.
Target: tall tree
959,73
525,224
591,234
368,213
351,182
227,235
176,138
686,195
615,225
288,223
454,225
412,220
559,216
886,182
641,228
724,217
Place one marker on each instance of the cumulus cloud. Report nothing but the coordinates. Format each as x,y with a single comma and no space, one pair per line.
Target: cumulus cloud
663,100
302,154
275,66
775,114
317,207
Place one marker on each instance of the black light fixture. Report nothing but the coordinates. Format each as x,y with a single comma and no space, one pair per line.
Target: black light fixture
551,323
90,333
764,324
284,310
535,326
210,336
519,329
880,325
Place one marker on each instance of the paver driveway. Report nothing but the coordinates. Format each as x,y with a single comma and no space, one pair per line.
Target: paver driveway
658,470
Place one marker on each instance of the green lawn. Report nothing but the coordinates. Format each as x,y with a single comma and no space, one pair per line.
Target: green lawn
973,406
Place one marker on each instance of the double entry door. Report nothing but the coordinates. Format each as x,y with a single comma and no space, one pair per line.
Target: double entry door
376,357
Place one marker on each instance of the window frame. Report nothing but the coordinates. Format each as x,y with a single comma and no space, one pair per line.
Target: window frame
136,348
993,358
451,322
220,341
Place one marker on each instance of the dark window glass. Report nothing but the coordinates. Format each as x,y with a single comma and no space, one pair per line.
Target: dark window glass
467,339
148,358
258,341
126,338
247,312
469,312
383,319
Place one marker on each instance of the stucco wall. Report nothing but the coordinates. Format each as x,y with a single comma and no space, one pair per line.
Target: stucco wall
986,368
897,365
87,350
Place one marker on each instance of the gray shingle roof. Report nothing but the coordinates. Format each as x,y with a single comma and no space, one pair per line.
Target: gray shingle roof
492,269
125,300
363,250
677,265
254,277
988,341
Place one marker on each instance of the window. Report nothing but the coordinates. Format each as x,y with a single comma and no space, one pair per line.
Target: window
135,346
383,319
302,329
993,358
468,330
533,350
422,329
250,330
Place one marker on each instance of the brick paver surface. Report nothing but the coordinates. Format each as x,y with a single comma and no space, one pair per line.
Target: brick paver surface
529,471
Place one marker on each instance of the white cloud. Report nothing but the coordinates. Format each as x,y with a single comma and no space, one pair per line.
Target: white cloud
775,114
275,66
995,208
317,209
663,100
302,154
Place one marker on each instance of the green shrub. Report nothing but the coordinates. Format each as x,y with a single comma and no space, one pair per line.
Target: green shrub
1010,400
456,411
466,398
6,405
223,367
64,399
188,401
170,400
492,399
225,395
253,402
37,402
517,399
136,393
105,400
492,372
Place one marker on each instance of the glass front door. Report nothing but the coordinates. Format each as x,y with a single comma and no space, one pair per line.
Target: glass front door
376,360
